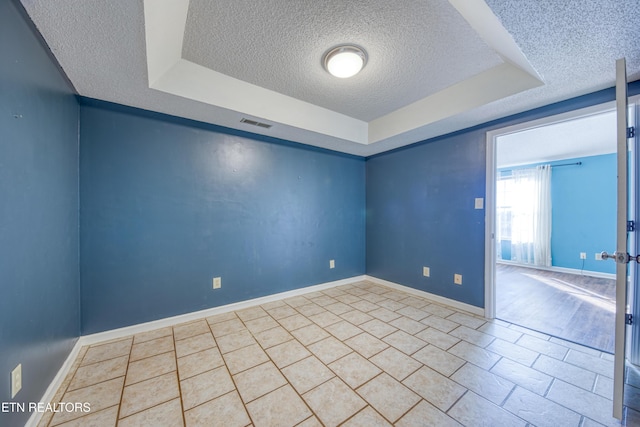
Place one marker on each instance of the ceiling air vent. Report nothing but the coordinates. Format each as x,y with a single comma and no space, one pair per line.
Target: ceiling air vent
254,123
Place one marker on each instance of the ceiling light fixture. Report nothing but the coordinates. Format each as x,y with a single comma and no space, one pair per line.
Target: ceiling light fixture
345,61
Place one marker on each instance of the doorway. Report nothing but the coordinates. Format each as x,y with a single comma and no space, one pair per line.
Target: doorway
554,197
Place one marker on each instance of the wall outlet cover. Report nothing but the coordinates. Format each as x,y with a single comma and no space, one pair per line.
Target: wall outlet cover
426,271
217,282
332,263
457,279
16,380
583,255
479,203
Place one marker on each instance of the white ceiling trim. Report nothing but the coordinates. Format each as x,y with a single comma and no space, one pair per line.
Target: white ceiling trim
168,72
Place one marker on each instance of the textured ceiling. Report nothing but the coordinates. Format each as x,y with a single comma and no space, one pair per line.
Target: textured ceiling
434,66
279,46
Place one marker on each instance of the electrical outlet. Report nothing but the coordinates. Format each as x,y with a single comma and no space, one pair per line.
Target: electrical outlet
457,279
217,282
598,256
583,255
16,380
426,271
332,263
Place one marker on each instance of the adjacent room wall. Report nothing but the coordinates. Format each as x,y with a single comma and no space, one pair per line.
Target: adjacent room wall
420,206
583,212
39,277
168,204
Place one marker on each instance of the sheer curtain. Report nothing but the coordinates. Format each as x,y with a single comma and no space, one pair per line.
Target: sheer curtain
531,216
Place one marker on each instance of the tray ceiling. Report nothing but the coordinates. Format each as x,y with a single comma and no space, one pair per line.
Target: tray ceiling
435,66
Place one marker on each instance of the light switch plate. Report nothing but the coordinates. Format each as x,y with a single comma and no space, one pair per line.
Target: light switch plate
479,203
332,263
217,282
426,271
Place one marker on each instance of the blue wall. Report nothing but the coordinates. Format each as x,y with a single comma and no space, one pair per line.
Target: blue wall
168,204
420,201
583,212
39,278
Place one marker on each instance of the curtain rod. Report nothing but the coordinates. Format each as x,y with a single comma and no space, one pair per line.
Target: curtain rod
567,164
553,166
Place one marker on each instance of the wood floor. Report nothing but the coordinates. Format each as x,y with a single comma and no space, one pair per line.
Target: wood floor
573,307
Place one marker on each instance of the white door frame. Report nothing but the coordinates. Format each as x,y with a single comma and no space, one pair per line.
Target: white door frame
490,195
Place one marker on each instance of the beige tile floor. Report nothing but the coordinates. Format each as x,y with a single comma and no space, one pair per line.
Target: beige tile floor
355,355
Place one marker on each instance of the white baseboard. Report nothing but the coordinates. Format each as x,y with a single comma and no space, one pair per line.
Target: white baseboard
575,271
51,391
433,297
169,321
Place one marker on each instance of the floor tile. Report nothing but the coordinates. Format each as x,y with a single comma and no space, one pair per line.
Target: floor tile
373,297
540,411
519,354
565,371
438,338
329,349
287,353
366,344
297,321
523,376
337,308
632,397
98,372
388,396
378,328
334,402
307,374
427,415
310,422
186,330
384,314
348,299
471,335
280,408
244,358
354,369
366,418
574,346
488,385
258,381
150,367
474,354
273,304
149,393
282,312
226,410
438,360
200,362
390,304
440,323
590,363
473,410
104,418
325,319
261,324
227,327
311,309
222,317
436,389
165,414
98,353
466,320
589,404
204,387
101,396
396,363
356,317
365,306
530,332
151,348
297,301
309,334
194,344
438,310
501,332
234,341
413,313
408,325
152,335
343,330
404,342
542,346
604,387
272,337
414,302
251,313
